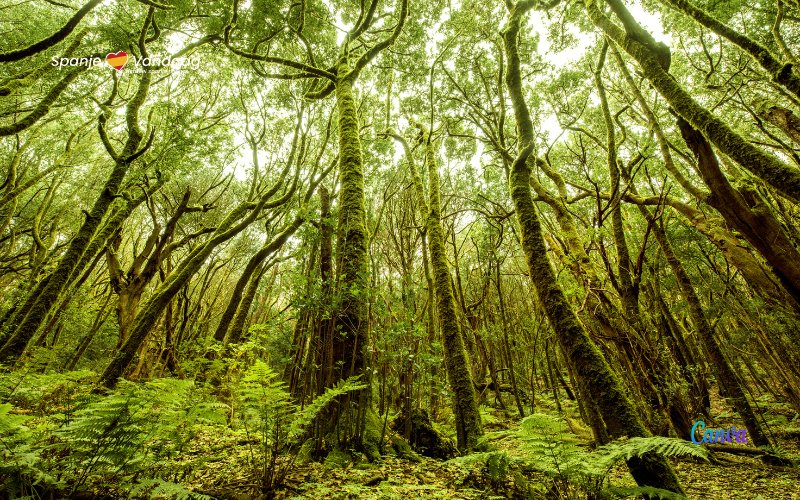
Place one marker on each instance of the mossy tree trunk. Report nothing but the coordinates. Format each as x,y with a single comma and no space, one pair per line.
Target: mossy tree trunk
785,120
465,406
223,328
46,296
351,337
596,381
468,419
762,280
654,65
754,217
239,325
744,209
351,329
229,329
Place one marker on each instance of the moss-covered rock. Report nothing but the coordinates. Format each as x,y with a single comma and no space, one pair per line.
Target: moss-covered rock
426,440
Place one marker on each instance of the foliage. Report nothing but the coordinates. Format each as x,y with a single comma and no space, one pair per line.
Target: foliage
276,426
158,488
105,443
223,132
543,444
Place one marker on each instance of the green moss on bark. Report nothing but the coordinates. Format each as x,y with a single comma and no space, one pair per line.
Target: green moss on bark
465,406
468,420
595,378
351,335
782,177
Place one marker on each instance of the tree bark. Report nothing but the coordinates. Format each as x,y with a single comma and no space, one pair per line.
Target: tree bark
780,176
596,380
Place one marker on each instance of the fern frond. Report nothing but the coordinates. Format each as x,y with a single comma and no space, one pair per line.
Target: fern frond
613,452
11,423
644,492
304,417
158,488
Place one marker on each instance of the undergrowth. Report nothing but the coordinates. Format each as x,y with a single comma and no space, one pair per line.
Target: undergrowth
543,445
59,440
132,441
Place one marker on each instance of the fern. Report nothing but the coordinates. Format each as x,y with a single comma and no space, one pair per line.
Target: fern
273,421
19,458
135,428
11,425
158,488
544,444
307,415
625,449
643,492
36,392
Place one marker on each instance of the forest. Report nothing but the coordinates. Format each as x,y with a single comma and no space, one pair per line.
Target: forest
380,249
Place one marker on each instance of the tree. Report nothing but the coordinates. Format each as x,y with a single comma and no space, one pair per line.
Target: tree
465,408
597,382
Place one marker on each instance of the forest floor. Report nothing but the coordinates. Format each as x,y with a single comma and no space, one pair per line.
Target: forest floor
727,476
546,455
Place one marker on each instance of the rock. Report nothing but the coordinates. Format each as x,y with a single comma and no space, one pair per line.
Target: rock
426,440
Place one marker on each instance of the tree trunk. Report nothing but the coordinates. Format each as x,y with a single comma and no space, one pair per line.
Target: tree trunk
468,419
597,382
465,406
780,176
351,334
151,311
42,302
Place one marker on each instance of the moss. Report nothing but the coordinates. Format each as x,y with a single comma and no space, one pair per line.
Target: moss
350,338
306,453
338,459
402,449
596,381
351,228
783,178
425,439
468,421
373,435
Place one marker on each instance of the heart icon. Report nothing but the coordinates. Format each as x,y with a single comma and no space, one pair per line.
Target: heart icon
117,60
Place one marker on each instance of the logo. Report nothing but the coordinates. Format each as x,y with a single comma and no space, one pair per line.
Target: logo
730,435
117,60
